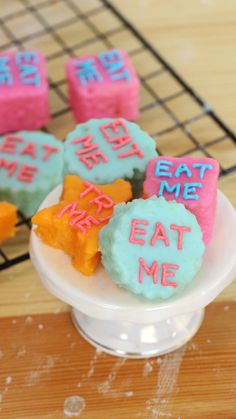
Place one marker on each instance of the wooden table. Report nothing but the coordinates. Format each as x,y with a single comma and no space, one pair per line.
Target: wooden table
44,361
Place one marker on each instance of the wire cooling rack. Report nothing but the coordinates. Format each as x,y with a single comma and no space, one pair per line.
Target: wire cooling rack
170,109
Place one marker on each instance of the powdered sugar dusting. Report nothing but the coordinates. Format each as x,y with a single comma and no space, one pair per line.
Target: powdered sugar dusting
91,368
148,367
105,386
45,365
21,351
166,382
8,380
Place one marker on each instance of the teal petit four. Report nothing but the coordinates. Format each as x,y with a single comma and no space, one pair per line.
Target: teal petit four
31,165
103,150
152,247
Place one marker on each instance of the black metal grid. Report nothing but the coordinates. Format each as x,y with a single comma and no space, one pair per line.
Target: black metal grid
170,109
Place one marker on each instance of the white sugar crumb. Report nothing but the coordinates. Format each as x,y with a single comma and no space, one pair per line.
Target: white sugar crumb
68,335
1,354
90,372
104,387
13,321
44,366
40,326
147,369
226,308
72,345
21,351
129,393
28,320
8,380
57,310
159,361
193,346
73,406
208,341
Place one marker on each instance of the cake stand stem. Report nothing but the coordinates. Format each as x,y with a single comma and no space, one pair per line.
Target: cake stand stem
135,340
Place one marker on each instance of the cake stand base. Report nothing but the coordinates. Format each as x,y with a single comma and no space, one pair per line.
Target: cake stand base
133,340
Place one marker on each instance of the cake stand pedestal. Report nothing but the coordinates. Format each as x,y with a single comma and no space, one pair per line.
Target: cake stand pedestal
123,324
134,340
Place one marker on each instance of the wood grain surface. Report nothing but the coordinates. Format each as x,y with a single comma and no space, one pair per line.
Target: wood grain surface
43,359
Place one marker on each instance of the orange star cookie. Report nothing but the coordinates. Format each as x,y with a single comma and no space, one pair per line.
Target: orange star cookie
74,223
8,219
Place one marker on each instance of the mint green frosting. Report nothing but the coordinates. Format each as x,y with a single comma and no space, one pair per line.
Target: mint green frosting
121,258
27,196
106,172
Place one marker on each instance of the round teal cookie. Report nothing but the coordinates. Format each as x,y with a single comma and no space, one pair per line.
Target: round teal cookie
103,150
31,164
152,247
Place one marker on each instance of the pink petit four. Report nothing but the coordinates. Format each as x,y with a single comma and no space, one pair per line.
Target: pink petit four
104,85
23,91
188,180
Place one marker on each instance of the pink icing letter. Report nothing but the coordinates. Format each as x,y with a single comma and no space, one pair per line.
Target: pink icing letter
94,157
87,223
26,173
29,149
89,188
71,208
88,147
135,150
159,234
150,271
9,166
181,230
166,274
113,126
48,151
102,201
9,144
135,230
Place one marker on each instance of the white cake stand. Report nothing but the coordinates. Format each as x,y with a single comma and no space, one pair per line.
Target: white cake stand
122,324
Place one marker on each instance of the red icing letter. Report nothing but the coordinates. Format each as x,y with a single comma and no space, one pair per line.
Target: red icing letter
9,166
88,147
71,208
81,214
132,152
26,173
29,149
86,223
150,271
181,230
135,230
48,151
114,127
94,157
9,144
159,234
102,201
122,140
166,274
90,188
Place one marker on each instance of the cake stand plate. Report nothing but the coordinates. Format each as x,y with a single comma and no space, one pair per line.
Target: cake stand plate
123,324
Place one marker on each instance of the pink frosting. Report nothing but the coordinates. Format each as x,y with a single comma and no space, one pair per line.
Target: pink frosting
103,97
176,178
23,106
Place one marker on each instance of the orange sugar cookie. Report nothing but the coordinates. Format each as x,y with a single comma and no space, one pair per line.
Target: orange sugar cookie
74,223
8,219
